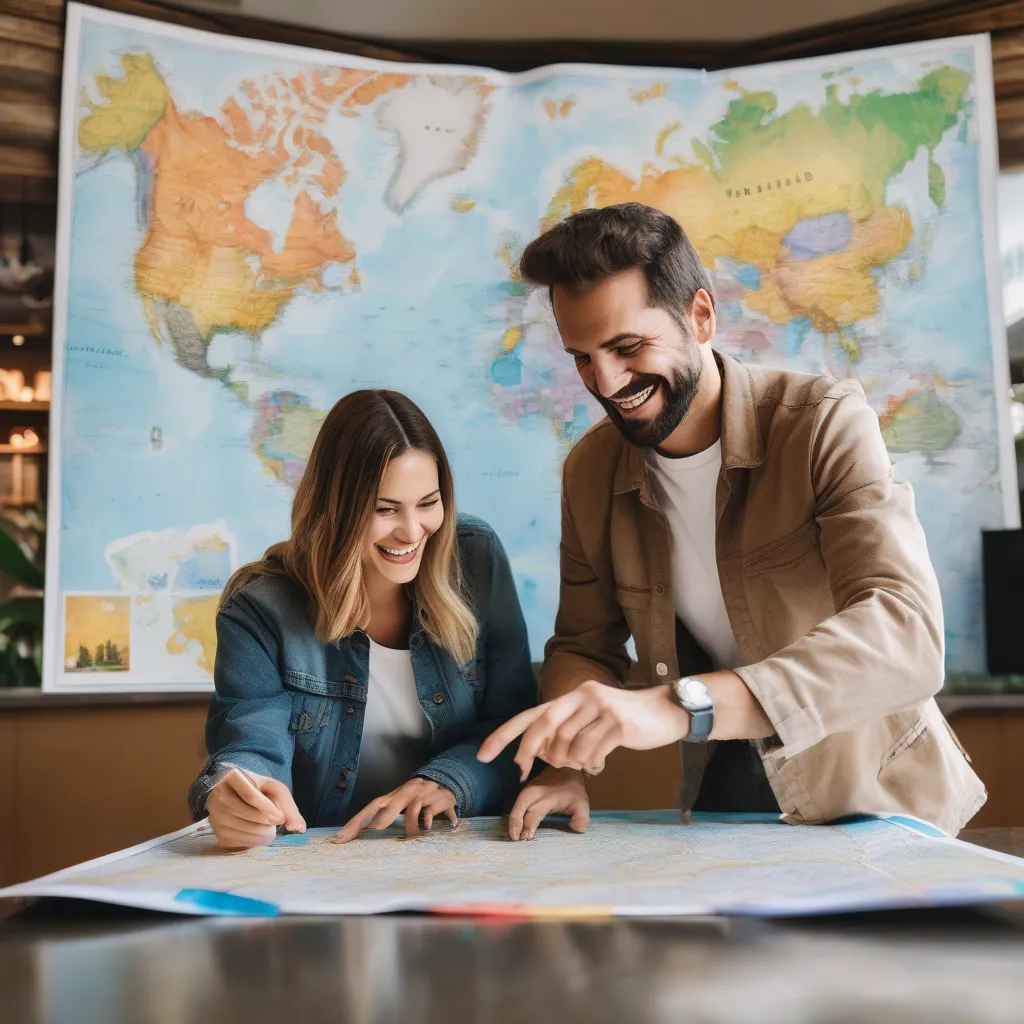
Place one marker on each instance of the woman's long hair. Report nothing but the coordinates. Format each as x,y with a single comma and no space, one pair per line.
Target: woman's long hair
333,506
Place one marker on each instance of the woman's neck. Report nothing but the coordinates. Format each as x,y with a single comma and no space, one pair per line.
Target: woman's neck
390,613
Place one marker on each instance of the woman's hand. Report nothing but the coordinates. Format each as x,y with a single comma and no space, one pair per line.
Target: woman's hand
245,810
418,797
554,791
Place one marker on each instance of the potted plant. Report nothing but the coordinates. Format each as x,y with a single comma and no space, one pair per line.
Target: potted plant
22,551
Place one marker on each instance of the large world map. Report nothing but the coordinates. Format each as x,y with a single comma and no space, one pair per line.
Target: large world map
252,231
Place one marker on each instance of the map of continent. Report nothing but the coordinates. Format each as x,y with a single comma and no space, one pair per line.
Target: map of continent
254,231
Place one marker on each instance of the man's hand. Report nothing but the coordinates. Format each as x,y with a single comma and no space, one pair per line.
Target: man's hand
417,797
580,729
554,791
245,810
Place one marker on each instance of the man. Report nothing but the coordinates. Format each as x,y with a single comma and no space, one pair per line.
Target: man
743,525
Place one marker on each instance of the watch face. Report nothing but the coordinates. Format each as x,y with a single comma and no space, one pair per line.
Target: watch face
694,693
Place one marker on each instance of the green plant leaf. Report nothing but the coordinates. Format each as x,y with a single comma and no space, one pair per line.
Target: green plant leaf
14,563
21,611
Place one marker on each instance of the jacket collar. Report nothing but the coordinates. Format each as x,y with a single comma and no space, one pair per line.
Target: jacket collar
742,447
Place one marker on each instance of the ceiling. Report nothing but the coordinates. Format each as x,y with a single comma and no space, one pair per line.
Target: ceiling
684,21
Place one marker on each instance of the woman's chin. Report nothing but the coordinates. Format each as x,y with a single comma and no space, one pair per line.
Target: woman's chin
400,573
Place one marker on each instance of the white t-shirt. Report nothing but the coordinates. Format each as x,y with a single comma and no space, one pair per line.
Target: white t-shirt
396,732
686,489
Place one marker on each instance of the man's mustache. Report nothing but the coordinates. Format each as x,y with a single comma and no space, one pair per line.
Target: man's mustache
634,387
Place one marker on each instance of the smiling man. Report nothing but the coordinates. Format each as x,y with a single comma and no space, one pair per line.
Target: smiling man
744,526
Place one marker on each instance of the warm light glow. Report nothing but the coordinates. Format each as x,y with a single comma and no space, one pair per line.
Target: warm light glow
18,339
27,394
31,438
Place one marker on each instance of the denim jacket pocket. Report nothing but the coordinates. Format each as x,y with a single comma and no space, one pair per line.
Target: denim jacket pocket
313,703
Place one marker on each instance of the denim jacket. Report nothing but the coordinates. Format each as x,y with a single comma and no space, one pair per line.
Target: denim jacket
290,707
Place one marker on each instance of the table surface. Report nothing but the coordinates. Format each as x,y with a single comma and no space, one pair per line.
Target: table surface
79,963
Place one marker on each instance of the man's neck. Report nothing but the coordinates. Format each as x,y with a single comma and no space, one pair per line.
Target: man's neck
701,427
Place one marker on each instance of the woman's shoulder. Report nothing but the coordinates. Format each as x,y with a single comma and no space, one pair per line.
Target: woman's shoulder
274,598
469,528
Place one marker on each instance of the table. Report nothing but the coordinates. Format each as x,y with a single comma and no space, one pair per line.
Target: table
80,963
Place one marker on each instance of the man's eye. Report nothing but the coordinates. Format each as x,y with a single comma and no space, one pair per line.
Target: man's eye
581,359
629,350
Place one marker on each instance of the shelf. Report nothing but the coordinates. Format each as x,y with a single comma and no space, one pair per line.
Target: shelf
8,406
10,449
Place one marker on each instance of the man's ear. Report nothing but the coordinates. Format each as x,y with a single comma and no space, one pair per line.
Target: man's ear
702,316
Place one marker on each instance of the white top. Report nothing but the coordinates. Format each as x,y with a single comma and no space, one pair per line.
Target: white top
685,489
396,732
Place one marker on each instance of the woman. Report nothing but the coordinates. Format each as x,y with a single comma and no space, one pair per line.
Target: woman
361,662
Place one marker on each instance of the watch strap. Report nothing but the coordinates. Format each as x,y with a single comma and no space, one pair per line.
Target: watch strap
702,722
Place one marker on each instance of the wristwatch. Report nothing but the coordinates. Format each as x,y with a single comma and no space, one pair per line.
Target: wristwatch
692,695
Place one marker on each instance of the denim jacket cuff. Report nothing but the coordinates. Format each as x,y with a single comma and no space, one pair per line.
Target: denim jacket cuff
199,792
448,772
215,769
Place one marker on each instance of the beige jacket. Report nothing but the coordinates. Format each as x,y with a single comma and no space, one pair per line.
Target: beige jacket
830,592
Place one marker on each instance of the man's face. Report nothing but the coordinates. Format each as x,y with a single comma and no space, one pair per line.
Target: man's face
636,360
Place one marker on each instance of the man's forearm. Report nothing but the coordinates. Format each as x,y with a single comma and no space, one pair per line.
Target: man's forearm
738,715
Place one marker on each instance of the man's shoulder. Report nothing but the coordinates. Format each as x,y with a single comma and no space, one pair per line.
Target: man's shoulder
776,387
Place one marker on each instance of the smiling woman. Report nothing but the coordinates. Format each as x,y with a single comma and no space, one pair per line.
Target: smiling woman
361,662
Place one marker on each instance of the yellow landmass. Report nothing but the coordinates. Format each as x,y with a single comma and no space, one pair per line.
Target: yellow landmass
511,338
555,109
656,91
463,205
213,543
659,145
131,106
195,619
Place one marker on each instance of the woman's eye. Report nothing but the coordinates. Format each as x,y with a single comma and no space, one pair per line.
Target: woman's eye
385,511
429,504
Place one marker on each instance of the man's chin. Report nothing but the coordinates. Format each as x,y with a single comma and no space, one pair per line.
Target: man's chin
638,432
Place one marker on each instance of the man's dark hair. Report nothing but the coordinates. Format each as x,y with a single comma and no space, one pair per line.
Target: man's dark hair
592,245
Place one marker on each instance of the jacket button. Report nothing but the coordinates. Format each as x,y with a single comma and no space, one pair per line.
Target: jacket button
438,698
661,668
660,589
416,641
349,710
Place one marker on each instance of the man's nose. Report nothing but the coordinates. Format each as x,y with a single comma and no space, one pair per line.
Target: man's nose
609,379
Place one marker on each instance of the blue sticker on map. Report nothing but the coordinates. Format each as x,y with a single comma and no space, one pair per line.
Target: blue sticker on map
227,903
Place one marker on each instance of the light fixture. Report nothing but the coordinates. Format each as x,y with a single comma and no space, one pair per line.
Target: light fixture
18,339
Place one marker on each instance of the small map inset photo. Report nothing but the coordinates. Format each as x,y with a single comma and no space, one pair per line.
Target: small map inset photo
96,633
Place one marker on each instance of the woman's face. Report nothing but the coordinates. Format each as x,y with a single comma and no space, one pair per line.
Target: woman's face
407,514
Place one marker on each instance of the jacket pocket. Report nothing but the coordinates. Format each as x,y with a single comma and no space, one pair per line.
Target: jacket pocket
784,553
633,598
902,743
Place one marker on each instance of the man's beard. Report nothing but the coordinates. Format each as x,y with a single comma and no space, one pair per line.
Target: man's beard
677,396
